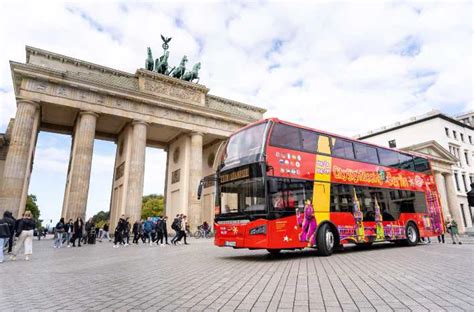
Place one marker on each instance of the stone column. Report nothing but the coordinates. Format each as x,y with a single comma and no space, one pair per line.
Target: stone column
195,175
453,202
77,185
19,157
440,183
137,171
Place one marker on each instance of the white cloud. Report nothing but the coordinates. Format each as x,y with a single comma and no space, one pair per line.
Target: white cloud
344,67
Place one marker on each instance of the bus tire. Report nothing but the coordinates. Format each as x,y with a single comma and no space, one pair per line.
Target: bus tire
325,240
412,234
274,252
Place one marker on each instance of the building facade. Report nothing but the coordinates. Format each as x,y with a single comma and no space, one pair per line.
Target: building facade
449,141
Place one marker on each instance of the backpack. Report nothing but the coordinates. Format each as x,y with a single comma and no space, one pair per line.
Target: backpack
175,224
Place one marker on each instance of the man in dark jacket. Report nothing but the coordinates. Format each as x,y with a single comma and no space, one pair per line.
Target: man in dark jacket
165,229
8,218
78,230
137,231
119,231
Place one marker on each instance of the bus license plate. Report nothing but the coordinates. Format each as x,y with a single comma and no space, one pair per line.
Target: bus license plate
230,244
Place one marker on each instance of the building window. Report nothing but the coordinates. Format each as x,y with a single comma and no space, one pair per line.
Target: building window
392,143
462,136
464,181
447,132
466,155
470,139
471,177
455,136
457,181
472,216
463,216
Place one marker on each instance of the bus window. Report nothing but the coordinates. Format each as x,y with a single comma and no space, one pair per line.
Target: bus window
366,153
285,136
308,140
421,164
342,148
388,158
291,195
406,161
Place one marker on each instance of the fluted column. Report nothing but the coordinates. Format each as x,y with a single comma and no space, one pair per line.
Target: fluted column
440,183
137,170
195,175
453,202
77,188
20,150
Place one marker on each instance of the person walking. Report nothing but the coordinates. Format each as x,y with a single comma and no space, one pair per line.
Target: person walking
136,230
24,232
58,241
119,231
441,235
4,235
68,230
453,230
105,232
8,218
126,238
147,230
159,231
176,226
78,230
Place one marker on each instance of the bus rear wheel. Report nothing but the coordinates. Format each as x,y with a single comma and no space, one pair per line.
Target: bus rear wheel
274,252
412,235
325,240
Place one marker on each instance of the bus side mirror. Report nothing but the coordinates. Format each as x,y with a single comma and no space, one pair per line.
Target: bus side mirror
199,192
272,186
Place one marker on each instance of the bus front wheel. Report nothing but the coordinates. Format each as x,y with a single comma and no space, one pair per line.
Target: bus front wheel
412,235
326,240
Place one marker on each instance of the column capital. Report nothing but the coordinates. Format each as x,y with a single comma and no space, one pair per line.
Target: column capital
22,100
140,122
193,133
89,113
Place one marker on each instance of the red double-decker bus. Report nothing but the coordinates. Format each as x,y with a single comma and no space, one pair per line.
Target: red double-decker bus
281,186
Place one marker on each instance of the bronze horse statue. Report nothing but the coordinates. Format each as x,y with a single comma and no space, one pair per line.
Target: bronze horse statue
193,74
149,60
161,64
179,71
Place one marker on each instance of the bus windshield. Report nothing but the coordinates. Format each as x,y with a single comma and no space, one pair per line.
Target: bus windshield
245,146
244,196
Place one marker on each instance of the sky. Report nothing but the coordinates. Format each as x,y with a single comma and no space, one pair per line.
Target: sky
342,66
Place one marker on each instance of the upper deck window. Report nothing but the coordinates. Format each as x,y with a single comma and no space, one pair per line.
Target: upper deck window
366,153
286,136
342,148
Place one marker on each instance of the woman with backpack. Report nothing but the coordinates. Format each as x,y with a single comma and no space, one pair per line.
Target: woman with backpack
58,241
24,233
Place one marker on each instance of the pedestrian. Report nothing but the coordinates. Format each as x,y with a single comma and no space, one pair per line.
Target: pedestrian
453,230
165,229
126,238
147,230
68,230
24,233
119,231
58,241
137,230
105,232
441,235
78,230
183,229
159,231
176,226
8,218
4,235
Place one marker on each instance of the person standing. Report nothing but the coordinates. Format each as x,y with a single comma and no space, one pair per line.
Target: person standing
165,229
119,231
453,230
137,229
24,232
68,230
8,218
58,241
4,234
126,238
78,230
159,231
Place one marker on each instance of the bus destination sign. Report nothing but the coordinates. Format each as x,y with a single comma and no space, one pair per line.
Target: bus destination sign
236,175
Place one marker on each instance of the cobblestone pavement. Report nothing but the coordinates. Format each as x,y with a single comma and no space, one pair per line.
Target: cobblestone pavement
432,277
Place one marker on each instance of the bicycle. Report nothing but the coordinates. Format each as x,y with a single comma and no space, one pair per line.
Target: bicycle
202,233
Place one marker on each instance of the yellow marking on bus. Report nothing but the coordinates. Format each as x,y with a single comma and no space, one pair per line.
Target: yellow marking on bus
322,190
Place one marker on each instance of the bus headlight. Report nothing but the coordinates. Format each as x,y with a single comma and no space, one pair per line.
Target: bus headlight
262,229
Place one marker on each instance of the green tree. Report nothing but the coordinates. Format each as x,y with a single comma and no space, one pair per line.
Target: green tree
152,205
101,218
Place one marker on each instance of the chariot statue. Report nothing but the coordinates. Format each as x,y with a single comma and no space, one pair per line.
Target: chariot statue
149,60
192,74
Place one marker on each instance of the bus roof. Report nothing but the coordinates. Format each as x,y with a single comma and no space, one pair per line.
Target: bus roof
277,120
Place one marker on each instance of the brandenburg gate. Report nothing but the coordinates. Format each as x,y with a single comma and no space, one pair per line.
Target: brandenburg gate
61,94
